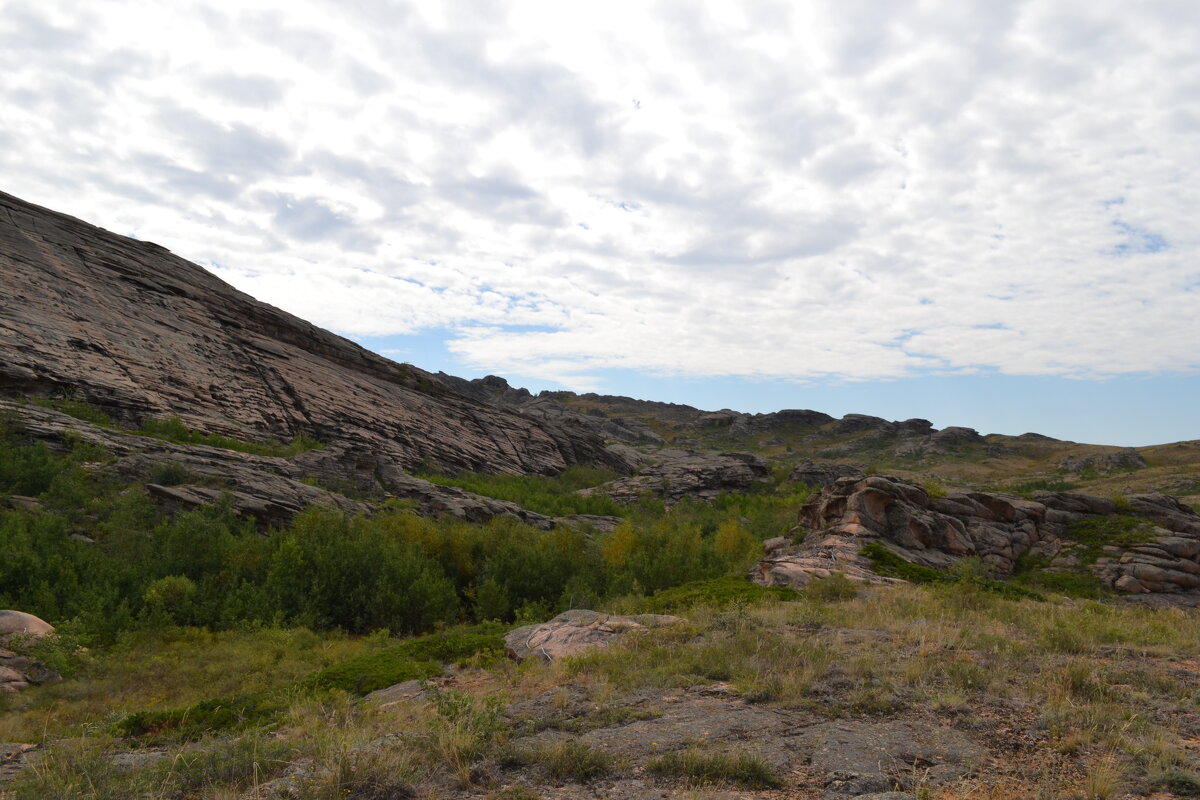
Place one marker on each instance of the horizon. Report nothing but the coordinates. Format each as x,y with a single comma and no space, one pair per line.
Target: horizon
976,214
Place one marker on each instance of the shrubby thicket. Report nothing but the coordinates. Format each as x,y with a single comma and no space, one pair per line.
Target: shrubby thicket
394,570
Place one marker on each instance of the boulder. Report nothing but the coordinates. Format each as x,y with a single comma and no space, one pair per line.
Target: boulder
18,622
575,631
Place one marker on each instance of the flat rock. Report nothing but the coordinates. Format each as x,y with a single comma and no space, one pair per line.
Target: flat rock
859,758
573,632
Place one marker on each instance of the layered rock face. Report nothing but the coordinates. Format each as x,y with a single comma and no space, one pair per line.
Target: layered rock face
680,474
497,391
1159,551
270,489
142,333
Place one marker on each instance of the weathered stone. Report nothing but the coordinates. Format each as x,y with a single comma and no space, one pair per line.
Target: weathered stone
822,474
143,333
18,622
22,503
998,528
681,474
860,758
574,631
1127,459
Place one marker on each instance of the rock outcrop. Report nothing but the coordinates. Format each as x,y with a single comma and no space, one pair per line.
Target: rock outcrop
1120,461
496,391
680,474
1156,549
572,632
822,474
142,333
19,670
270,489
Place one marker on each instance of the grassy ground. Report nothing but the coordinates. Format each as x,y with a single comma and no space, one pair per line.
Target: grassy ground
1069,698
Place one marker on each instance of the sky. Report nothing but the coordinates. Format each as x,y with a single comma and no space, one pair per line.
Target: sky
978,213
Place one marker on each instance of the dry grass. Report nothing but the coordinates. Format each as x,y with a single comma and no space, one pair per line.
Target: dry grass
1075,698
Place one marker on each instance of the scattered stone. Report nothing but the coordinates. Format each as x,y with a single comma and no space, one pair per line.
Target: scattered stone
395,693
22,503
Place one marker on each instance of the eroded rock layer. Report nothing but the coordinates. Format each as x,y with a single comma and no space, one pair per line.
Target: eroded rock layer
129,326
1149,543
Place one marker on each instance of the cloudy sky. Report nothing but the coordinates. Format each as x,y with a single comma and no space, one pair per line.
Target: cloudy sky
981,213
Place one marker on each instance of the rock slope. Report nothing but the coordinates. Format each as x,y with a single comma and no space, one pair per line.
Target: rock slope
143,333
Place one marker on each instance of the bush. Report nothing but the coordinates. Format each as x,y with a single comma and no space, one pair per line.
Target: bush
717,593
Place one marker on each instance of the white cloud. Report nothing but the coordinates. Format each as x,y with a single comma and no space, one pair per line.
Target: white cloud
762,190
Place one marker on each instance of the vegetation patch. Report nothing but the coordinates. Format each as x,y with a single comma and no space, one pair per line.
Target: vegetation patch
172,429
717,593
570,760
413,659
206,717
885,562
738,769
79,409
1094,533
1035,572
554,496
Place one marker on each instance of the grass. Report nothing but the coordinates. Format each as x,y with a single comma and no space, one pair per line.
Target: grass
1094,533
412,659
716,593
172,429
696,766
967,577
554,496
80,409
567,760
1093,679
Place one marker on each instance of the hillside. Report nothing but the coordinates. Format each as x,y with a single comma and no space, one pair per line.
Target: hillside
282,566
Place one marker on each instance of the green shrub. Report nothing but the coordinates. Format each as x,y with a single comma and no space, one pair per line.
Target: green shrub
554,496
169,473
717,593
414,659
835,588
968,575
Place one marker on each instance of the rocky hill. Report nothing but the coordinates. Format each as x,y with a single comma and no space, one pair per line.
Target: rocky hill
141,333
219,501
